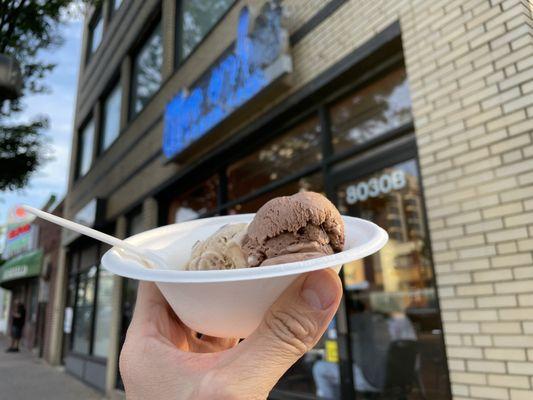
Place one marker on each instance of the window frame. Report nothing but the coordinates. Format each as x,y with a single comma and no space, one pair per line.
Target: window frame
178,34
98,16
114,83
79,150
75,271
112,9
154,22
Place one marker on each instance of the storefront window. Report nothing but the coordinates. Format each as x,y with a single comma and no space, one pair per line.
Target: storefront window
135,224
197,19
286,155
311,182
84,311
103,313
147,70
85,152
394,321
195,202
371,111
111,118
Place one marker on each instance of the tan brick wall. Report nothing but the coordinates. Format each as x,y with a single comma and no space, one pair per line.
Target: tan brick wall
470,69
297,12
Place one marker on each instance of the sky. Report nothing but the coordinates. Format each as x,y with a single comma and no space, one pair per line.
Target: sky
58,105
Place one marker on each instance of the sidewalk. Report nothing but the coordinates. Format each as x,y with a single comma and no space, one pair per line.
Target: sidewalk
24,377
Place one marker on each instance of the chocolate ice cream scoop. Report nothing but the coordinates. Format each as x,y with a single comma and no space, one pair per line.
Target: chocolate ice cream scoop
291,228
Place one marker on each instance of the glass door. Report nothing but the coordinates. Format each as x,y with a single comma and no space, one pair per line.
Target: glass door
393,316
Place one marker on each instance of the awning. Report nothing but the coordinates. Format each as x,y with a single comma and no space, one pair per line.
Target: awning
24,266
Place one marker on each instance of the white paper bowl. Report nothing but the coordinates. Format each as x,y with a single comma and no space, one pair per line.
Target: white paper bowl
229,303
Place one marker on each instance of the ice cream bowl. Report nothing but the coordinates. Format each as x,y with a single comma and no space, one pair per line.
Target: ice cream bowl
228,303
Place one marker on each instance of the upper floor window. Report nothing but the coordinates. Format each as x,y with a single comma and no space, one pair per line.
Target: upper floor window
111,117
85,148
115,4
147,65
371,111
96,30
196,19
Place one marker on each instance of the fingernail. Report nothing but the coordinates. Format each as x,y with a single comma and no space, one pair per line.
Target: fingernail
319,290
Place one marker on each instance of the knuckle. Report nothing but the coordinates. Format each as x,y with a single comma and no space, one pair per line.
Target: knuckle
295,330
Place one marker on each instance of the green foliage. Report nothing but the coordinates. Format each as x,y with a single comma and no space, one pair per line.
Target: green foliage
20,149
26,28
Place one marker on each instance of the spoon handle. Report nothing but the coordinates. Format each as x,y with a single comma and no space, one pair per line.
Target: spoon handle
84,230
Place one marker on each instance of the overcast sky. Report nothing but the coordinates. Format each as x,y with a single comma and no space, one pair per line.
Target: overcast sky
58,105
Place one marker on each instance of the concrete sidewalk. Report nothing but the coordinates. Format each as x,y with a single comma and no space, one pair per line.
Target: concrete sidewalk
24,377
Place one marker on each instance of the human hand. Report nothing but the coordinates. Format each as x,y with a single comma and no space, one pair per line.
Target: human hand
163,359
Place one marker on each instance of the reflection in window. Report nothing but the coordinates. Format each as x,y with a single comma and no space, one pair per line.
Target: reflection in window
287,154
116,4
311,182
84,311
85,152
197,19
135,224
111,117
193,203
147,70
371,111
96,32
392,309
103,313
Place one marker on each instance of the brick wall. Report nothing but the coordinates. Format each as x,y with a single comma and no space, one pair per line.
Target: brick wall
470,67
470,70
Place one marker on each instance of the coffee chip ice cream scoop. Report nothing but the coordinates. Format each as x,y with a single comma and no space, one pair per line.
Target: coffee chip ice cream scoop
222,250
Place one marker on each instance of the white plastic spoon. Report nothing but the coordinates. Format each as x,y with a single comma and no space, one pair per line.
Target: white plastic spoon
146,255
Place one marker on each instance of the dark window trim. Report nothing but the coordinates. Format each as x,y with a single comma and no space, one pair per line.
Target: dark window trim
152,24
384,154
79,149
74,304
95,303
178,33
77,252
378,140
97,15
319,17
85,357
111,10
110,87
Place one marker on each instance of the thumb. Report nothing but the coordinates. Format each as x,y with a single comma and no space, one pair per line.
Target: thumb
292,326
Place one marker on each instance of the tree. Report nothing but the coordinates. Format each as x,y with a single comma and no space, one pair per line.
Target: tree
26,27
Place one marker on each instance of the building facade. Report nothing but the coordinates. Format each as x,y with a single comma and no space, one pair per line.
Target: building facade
28,275
417,115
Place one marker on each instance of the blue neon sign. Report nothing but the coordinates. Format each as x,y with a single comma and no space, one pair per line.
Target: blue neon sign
256,60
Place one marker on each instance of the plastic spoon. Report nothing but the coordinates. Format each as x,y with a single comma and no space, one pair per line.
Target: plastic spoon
146,255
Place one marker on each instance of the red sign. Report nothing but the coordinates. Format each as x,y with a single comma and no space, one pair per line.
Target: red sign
20,212
12,234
